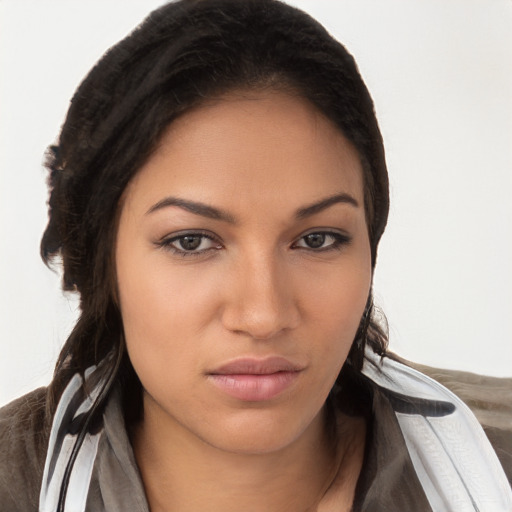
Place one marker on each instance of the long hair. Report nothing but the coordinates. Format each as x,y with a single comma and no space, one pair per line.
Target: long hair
183,54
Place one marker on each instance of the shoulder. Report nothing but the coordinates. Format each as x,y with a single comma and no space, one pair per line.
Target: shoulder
443,436
24,432
490,400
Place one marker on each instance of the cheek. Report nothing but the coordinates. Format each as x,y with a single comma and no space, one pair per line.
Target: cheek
158,295
335,307
163,313
338,294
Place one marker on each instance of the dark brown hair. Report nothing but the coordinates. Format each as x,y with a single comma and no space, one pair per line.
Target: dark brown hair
184,53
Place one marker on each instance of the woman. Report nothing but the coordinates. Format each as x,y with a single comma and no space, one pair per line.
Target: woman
217,197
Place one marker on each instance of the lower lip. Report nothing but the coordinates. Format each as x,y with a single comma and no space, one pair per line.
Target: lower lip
254,388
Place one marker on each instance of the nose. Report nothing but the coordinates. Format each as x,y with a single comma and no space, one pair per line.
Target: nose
261,302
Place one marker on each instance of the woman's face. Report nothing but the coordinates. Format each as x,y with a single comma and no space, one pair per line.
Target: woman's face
243,267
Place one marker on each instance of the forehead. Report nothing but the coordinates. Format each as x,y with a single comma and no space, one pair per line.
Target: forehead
252,146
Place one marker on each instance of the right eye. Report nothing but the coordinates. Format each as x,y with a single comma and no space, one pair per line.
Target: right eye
190,244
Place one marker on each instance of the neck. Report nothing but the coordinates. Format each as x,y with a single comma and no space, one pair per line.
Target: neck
182,472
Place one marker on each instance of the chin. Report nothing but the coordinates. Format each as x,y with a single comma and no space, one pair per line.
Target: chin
257,432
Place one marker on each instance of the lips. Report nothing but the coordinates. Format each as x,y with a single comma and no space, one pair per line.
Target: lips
255,380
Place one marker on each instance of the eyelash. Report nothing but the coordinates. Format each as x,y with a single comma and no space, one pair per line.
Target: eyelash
167,243
339,240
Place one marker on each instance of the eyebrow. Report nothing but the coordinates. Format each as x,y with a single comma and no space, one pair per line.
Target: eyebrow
193,207
211,212
323,204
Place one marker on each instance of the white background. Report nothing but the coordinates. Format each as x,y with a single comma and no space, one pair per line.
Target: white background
441,76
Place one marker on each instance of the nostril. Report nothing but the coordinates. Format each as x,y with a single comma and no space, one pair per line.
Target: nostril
260,302
260,323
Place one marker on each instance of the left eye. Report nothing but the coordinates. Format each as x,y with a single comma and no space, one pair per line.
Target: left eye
322,240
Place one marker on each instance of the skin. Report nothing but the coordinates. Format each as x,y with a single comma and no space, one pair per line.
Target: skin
255,289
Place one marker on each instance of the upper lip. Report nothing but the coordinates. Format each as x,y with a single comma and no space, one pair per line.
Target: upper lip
255,366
